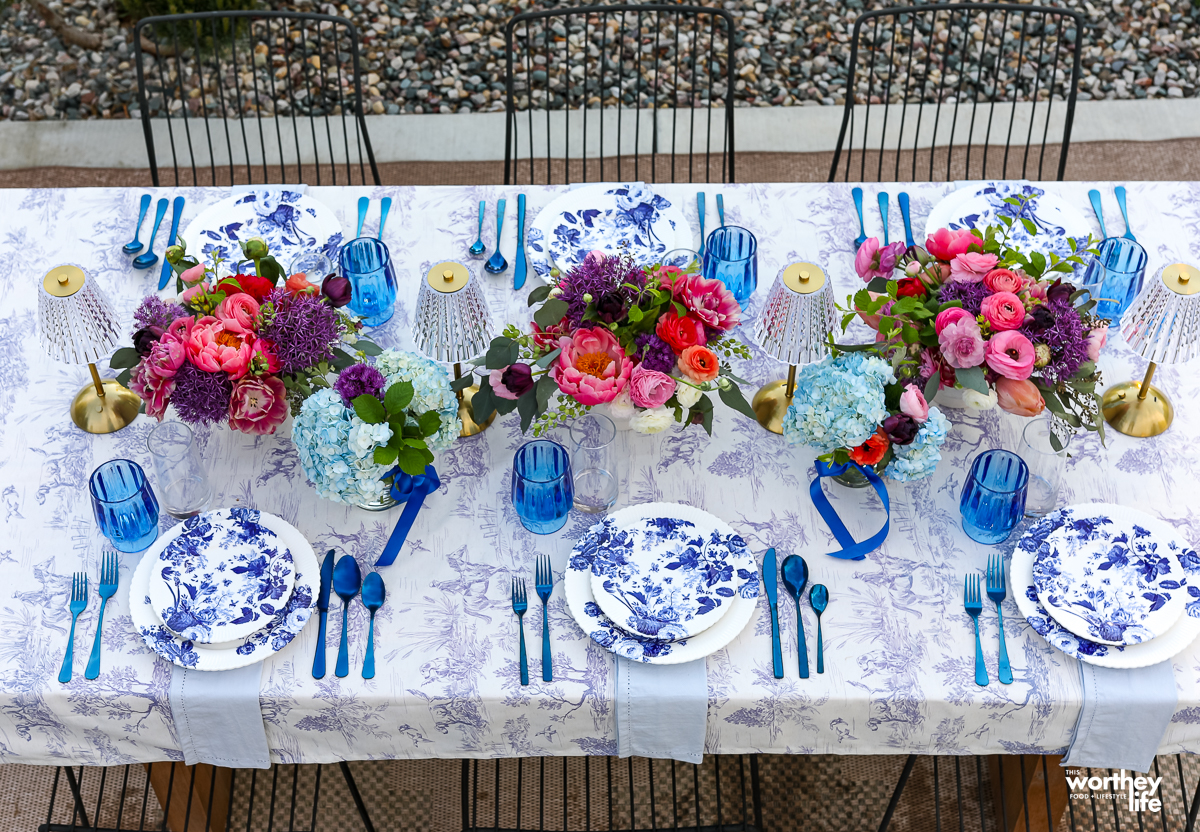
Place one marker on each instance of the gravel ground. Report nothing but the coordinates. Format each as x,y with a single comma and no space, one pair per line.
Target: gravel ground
423,57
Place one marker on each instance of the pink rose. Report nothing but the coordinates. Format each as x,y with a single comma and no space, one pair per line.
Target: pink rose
1003,280
1003,310
193,275
592,368
650,388
258,405
1020,398
708,301
1097,338
237,313
912,403
949,316
191,292
873,260
1011,355
971,266
945,244
962,344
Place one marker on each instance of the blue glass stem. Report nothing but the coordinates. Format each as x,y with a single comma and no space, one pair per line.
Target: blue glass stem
343,660
801,644
981,677
64,675
547,664
776,645
93,666
1005,671
524,658
369,661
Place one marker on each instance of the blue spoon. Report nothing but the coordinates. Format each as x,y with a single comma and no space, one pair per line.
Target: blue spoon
883,212
1094,196
496,263
145,261
372,598
477,249
135,245
908,237
176,216
346,581
818,598
795,578
700,210
721,208
1120,192
385,206
862,231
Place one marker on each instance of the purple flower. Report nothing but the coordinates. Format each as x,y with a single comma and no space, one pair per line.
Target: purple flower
900,428
595,278
146,338
1066,338
336,290
153,311
304,329
200,397
971,295
654,353
518,378
359,380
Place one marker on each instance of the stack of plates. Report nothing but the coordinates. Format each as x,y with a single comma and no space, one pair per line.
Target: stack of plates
1109,585
290,223
224,589
662,583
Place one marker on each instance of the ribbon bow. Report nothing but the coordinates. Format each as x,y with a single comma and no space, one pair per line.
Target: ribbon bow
851,550
412,491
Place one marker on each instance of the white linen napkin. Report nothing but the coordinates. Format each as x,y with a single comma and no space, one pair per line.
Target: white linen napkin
217,717
662,710
1124,716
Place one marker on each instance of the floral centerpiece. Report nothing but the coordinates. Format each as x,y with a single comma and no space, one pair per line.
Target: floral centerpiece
969,311
852,408
651,343
376,418
238,349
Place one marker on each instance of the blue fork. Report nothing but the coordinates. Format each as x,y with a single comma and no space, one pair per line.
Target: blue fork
79,593
109,579
974,605
544,583
996,593
520,603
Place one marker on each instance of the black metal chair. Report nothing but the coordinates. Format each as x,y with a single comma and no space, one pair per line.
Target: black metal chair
653,82
978,79
253,97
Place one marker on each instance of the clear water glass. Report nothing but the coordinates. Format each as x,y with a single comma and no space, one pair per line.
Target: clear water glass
594,463
542,487
681,258
183,485
1045,465
312,264
367,264
124,505
1115,275
731,256
993,500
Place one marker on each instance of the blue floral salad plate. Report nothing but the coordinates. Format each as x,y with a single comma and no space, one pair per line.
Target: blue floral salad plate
615,219
981,204
1176,639
291,223
274,634
222,577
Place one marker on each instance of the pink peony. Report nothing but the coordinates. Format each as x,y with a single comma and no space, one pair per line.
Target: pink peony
237,313
874,260
211,349
1003,280
258,405
193,275
1003,310
708,301
650,388
912,403
1011,355
971,266
1096,339
962,344
1020,398
200,288
592,368
155,390
945,244
949,316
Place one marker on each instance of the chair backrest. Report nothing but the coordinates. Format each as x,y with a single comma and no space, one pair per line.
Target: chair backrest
253,97
959,91
623,92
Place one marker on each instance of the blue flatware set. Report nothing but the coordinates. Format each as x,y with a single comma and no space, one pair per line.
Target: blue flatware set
794,572
344,579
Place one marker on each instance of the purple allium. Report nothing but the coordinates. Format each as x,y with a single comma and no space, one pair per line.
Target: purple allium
1066,338
156,312
654,352
201,398
597,277
971,295
359,380
304,329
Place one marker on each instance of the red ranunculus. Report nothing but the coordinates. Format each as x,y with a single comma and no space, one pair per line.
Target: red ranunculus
910,287
871,451
251,284
680,333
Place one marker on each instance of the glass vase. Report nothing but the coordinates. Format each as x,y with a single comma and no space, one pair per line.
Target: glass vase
382,503
852,478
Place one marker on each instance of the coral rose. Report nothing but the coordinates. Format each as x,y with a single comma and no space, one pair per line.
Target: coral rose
708,301
1019,397
1003,310
1011,355
592,368
971,267
699,364
258,405
680,333
1003,280
962,344
237,313
945,244
650,388
872,451
949,316
298,284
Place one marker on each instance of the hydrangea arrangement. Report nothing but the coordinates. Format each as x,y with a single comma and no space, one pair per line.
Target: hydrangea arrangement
375,419
650,343
851,407
970,311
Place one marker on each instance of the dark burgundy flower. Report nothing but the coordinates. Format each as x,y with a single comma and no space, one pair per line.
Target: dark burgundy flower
336,290
518,378
901,428
1059,292
144,339
610,306
1043,317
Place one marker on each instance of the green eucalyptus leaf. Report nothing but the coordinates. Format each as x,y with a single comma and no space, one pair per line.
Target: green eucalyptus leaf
539,294
931,387
548,359
462,383
527,407
543,390
483,403
369,409
550,313
502,353
123,377
123,358
972,378
732,396
368,347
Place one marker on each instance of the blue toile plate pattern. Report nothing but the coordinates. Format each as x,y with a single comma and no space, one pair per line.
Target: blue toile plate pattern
288,221
1111,574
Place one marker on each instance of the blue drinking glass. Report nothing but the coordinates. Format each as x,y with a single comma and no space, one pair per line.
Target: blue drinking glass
542,488
1116,275
993,500
124,504
367,264
731,256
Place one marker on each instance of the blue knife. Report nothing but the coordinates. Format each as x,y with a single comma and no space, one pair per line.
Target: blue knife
522,266
323,611
883,213
700,211
771,585
176,216
908,237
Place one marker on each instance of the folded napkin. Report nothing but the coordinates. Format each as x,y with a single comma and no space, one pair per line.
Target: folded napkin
662,710
217,717
1124,716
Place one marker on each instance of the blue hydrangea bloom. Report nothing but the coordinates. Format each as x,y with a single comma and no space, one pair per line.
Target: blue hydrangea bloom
919,458
839,402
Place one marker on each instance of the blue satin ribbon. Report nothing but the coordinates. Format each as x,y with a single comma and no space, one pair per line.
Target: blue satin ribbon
411,491
851,550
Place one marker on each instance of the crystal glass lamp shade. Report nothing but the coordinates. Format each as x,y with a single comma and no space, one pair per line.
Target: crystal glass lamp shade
452,320
76,322
798,315
1163,324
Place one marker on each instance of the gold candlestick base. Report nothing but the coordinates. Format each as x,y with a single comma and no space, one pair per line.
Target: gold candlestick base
772,400
470,426
94,413
1133,415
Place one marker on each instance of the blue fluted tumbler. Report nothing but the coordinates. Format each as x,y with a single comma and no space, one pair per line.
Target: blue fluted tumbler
124,505
1115,277
367,264
731,256
993,499
542,487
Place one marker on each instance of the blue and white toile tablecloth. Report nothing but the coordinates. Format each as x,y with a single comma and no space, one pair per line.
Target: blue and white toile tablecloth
899,648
